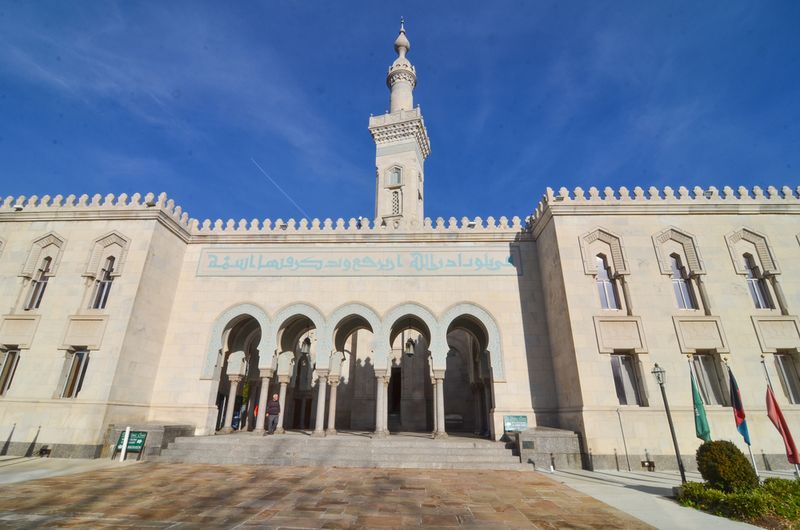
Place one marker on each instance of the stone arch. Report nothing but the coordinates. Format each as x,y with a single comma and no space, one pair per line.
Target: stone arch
687,241
760,244
614,243
437,346
367,313
324,345
493,346
213,354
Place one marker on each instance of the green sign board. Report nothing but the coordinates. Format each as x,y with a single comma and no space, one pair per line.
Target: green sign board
135,441
515,423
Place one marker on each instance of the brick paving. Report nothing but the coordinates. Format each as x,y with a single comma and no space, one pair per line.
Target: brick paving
158,495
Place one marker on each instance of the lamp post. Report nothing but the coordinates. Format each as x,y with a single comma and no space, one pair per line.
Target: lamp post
661,377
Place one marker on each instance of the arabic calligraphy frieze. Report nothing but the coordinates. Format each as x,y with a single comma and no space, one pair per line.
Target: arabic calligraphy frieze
374,261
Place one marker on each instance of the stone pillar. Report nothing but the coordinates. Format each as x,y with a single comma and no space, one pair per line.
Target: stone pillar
701,290
380,407
250,408
477,408
284,381
773,279
263,396
334,381
626,295
234,380
439,432
322,387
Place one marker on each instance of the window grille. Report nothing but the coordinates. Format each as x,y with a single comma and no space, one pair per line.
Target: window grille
626,379
39,284
606,286
684,294
756,284
396,203
7,369
787,372
103,285
77,370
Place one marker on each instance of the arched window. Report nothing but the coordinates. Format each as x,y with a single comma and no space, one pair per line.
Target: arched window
757,284
684,293
606,286
103,285
39,284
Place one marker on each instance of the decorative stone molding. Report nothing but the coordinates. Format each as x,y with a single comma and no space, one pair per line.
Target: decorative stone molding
687,241
18,330
619,333
761,245
48,246
437,346
777,333
613,247
700,333
111,244
401,125
85,331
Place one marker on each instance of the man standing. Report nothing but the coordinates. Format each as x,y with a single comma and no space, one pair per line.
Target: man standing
273,413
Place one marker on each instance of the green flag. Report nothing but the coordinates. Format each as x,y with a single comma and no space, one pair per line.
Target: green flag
701,427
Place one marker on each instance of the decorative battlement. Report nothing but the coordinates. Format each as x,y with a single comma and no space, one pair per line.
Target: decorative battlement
697,196
120,206
110,204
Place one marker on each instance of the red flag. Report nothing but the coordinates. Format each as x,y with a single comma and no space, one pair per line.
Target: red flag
775,414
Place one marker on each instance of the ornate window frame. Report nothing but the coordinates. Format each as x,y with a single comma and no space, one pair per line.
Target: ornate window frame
102,249
762,248
615,253
49,245
690,256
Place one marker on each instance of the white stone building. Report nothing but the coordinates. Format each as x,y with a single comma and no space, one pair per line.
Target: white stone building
123,310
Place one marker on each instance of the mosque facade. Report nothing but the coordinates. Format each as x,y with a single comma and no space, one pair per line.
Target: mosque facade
123,309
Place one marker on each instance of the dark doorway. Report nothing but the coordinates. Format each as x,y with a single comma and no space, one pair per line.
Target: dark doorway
395,394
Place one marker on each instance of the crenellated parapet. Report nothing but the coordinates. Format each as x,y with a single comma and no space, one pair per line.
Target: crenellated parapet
137,205
623,199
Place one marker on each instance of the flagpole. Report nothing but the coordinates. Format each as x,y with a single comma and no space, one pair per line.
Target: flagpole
749,449
769,383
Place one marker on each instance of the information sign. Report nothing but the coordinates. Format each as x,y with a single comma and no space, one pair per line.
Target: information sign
515,423
135,441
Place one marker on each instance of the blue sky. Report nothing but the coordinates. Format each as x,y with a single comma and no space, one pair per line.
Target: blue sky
99,97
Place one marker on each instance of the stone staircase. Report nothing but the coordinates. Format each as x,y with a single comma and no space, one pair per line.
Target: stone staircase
344,450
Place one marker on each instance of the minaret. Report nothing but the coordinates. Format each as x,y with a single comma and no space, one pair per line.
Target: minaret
401,145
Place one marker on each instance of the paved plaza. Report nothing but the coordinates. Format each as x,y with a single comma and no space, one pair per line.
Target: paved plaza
158,495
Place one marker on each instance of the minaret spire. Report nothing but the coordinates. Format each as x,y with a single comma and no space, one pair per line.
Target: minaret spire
401,146
402,77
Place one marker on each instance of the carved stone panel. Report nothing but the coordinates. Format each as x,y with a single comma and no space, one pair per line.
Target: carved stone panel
619,333
18,330
700,333
777,333
85,331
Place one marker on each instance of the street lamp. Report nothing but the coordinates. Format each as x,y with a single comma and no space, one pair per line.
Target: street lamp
409,348
661,378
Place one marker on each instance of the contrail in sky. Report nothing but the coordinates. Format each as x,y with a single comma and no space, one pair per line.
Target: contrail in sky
261,169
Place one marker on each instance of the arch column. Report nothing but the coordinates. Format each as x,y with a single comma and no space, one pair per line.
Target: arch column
334,382
322,384
382,382
284,382
263,396
234,380
439,430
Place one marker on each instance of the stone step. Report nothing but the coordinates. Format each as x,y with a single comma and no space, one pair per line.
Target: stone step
267,448
343,451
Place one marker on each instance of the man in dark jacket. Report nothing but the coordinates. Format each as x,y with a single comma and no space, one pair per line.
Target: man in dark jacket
273,413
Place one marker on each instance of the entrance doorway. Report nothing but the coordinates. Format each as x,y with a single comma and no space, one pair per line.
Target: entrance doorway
394,398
